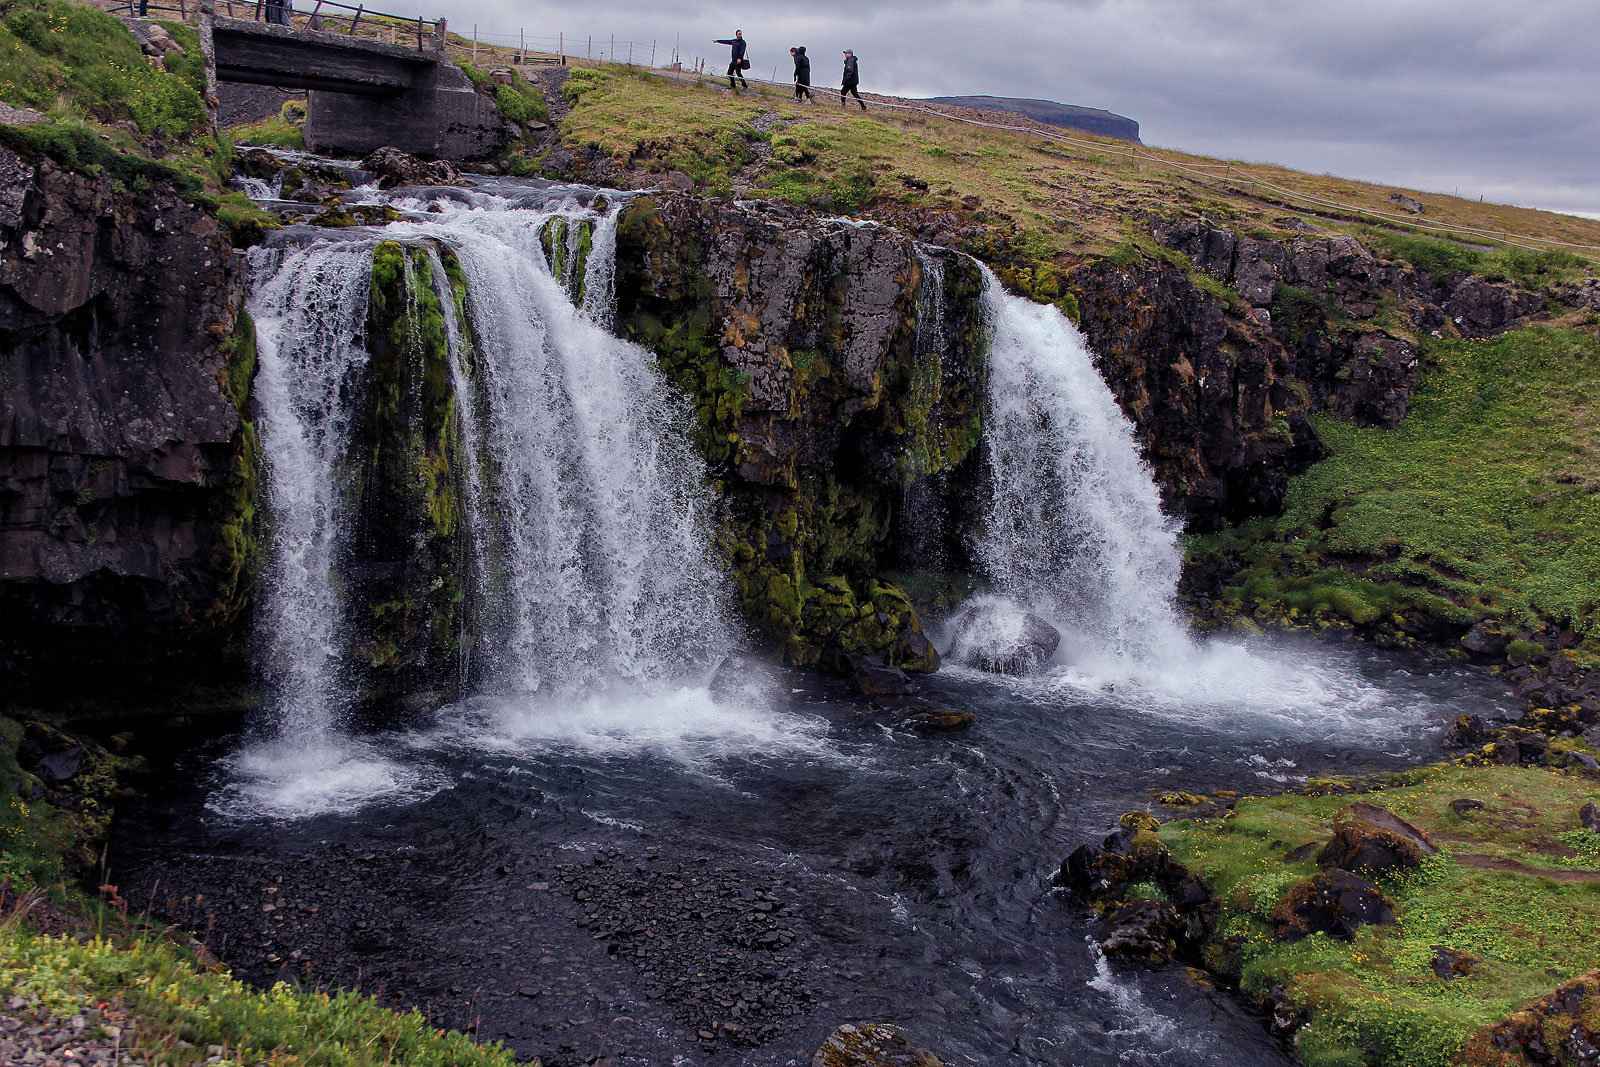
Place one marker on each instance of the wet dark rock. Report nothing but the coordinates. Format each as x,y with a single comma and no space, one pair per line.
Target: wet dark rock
939,720
49,753
1336,903
1374,841
118,441
1450,964
871,1045
1486,639
1466,731
1147,930
1465,806
1001,638
394,167
874,677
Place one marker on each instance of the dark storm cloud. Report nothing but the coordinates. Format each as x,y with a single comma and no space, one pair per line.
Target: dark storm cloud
1492,97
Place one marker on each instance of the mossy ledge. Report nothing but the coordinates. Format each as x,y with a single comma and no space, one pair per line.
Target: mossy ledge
1470,891
409,467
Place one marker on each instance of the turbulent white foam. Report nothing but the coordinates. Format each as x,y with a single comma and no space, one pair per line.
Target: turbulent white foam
1073,527
286,779
1074,532
682,723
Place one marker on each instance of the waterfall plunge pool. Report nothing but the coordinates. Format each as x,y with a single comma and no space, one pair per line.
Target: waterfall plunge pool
598,878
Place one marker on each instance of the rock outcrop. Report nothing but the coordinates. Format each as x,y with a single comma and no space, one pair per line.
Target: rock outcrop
817,408
124,516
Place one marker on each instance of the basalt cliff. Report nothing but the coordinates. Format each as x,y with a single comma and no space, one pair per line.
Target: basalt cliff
130,481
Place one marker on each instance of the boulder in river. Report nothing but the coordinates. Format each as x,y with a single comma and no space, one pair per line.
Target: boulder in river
871,1045
997,636
394,167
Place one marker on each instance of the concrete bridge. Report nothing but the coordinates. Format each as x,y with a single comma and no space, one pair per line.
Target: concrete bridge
362,93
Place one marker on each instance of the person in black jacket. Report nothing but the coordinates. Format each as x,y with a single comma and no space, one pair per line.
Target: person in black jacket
802,75
852,78
737,64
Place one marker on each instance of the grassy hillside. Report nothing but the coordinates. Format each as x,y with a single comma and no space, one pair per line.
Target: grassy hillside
1065,198
1484,503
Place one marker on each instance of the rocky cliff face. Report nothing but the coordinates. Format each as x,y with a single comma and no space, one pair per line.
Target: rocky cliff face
817,406
123,508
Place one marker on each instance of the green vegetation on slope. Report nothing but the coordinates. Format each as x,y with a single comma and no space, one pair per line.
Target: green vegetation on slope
1483,503
1377,1000
180,1009
56,55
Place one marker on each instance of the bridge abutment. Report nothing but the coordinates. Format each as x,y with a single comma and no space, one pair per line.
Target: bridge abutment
363,94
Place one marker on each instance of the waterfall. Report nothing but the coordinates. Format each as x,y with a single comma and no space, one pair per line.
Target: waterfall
1073,528
582,498
310,311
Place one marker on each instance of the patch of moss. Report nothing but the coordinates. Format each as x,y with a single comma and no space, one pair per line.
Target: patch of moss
1376,999
408,476
238,551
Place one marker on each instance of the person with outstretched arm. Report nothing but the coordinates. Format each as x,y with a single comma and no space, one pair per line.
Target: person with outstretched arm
852,78
802,75
737,64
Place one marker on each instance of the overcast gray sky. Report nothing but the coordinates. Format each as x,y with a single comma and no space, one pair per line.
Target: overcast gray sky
1492,98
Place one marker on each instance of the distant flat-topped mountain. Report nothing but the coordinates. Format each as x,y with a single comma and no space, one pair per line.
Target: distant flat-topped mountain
1069,116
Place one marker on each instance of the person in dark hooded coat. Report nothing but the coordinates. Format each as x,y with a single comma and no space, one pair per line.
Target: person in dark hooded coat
852,78
802,75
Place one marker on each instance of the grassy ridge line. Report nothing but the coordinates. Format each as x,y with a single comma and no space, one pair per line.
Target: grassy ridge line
1376,999
635,117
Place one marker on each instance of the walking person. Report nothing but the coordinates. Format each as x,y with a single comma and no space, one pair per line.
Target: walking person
802,75
852,78
738,64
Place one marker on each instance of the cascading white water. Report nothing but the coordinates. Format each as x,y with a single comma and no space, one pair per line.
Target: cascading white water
310,310
584,501
1073,527
1073,531
596,504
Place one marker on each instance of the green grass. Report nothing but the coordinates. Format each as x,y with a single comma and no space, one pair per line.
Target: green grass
281,130
58,55
1375,1000
1445,261
175,1001
1483,503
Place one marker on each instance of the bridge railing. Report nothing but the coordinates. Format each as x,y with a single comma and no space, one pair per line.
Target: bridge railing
331,16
